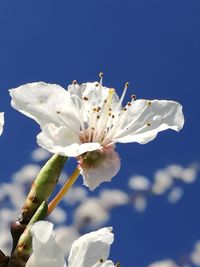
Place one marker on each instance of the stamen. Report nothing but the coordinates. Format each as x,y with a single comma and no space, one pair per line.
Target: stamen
101,78
123,95
77,107
101,125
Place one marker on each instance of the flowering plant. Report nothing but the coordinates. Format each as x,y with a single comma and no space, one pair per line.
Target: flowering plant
85,121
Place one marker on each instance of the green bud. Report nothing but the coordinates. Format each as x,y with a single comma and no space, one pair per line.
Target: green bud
43,186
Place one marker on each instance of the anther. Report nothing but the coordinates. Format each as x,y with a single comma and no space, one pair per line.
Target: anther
124,109
110,109
133,97
129,104
113,116
148,124
101,260
100,74
109,114
98,117
85,98
97,84
94,109
149,103
58,112
126,84
74,82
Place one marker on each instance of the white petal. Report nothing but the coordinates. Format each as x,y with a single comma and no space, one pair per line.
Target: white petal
90,248
145,120
1,122
104,172
96,95
63,141
45,103
46,252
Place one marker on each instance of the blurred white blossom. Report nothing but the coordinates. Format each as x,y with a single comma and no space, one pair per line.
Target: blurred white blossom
1,122
58,215
27,173
140,203
175,194
75,195
90,213
162,182
112,198
65,236
163,263
40,154
139,182
195,255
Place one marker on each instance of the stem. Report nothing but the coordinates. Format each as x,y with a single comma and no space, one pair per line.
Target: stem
23,250
72,179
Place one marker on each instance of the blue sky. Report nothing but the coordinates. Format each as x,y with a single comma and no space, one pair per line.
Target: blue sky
153,44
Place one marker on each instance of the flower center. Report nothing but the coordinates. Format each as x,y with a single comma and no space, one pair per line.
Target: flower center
103,116
91,159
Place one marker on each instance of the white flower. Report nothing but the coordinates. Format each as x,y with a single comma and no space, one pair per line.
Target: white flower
1,122
90,250
87,120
